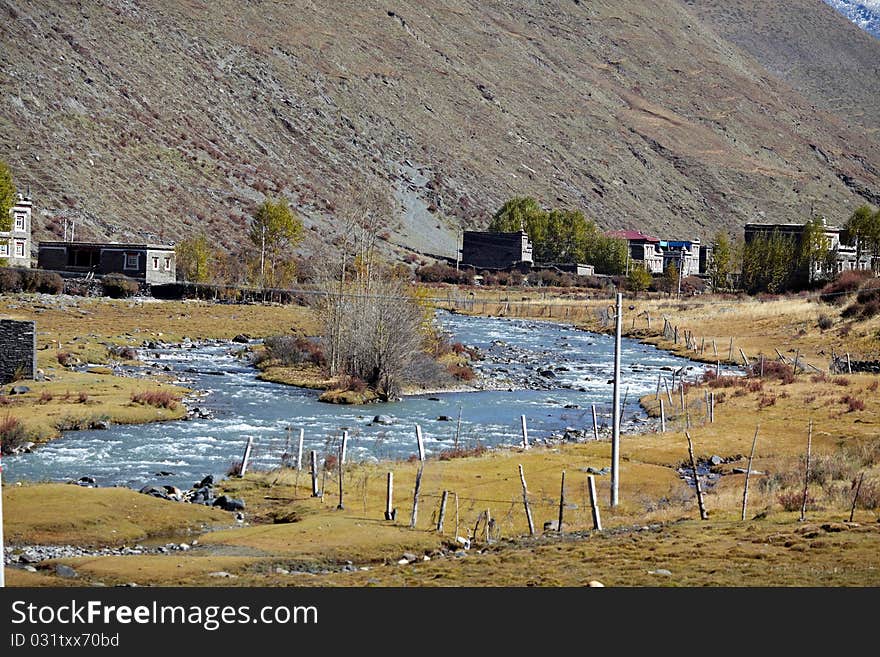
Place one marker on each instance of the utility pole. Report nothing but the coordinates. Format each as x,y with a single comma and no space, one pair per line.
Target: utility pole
458,248
680,269
615,411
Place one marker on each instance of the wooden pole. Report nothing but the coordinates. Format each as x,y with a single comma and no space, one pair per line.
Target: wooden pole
594,504
745,360
848,364
657,395
457,429
299,451
749,474
390,514
344,448
442,512
456,513
339,469
525,432
615,413
561,502
662,418
648,315
246,457
681,393
702,345
313,456
675,338
488,525
595,423
712,406
421,444
416,491
668,394
717,369
807,472
703,514
762,366
714,348
525,492
797,355
730,351
852,509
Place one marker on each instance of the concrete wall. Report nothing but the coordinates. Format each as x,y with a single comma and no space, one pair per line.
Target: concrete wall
18,349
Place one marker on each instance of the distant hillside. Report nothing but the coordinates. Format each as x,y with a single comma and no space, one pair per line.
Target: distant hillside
154,120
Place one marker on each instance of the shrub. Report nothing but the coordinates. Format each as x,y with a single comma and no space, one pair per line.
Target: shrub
352,383
461,372
825,322
766,400
867,303
841,381
46,397
773,369
852,403
118,286
793,500
461,452
440,272
873,386
293,350
10,280
82,398
49,282
12,434
846,283
157,398
330,462
125,353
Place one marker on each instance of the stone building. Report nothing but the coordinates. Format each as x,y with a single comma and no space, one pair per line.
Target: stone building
151,263
496,251
15,245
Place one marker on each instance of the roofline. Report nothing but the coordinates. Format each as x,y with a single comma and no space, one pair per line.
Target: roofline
116,245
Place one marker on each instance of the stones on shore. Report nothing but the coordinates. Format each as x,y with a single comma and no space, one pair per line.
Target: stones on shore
229,503
242,338
383,419
19,390
65,571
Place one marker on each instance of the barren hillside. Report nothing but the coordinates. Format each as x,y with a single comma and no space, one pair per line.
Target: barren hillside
149,120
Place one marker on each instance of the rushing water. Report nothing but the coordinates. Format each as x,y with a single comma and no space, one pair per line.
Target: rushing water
566,370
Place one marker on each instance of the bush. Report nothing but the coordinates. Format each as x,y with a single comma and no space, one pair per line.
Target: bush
867,303
825,322
846,283
440,272
10,280
852,403
793,500
157,398
12,434
65,358
773,369
293,350
118,286
461,372
125,353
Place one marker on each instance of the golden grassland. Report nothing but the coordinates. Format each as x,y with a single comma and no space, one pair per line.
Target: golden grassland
293,539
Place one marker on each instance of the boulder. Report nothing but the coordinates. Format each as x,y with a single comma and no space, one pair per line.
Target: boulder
383,419
65,571
660,571
229,503
86,481
716,460
155,491
207,481
19,390
444,418
242,338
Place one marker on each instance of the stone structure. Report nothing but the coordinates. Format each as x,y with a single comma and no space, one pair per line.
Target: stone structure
18,350
489,250
15,245
151,263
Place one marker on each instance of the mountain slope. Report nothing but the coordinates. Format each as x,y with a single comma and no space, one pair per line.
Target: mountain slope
153,121
865,14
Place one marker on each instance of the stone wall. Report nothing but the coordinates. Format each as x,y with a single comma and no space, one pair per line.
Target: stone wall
18,349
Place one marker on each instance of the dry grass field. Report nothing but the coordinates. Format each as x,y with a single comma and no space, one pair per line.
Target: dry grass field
654,537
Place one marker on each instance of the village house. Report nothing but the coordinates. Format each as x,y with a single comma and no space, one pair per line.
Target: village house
655,254
150,263
643,250
844,257
15,245
495,251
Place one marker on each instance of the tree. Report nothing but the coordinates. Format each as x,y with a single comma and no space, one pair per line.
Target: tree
859,229
7,200
519,213
721,266
767,263
274,231
607,254
670,278
195,259
638,279
812,256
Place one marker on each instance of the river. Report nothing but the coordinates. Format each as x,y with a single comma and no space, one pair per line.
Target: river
547,371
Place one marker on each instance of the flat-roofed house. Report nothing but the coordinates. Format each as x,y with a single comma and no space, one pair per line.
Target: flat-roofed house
15,244
151,263
643,249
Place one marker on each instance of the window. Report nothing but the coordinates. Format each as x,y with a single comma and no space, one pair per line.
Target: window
131,260
167,264
155,262
4,248
19,222
19,248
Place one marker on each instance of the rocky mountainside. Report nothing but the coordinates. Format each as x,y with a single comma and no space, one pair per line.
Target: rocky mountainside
152,120
865,14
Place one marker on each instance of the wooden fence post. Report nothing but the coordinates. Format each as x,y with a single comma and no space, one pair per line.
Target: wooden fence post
442,512
421,444
668,394
390,514
714,348
762,366
488,526
749,474
848,364
313,456
344,447
712,406
561,502
416,491
339,468
730,351
807,473
852,509
657,395
703,514
745,360
797,355
457,429
597,521
525,432
595,423
662,418
299,451
525,493
246,456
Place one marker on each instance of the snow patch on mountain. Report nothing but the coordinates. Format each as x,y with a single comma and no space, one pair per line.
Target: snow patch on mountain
865,14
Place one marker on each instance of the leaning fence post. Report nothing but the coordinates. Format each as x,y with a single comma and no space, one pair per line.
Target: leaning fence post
668,394
341,453
597,521
525,493
246,457
848,364
852,509
390,514
299,451
730,351
703,514
442,512
416,491
714,348
313,457
745,360
561,502
420,443
749,473
807,472
595,423
662,418
657,395
525,432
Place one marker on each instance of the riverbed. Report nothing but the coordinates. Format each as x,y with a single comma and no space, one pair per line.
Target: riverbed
550,372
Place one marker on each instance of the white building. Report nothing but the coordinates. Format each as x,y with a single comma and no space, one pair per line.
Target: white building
15,245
